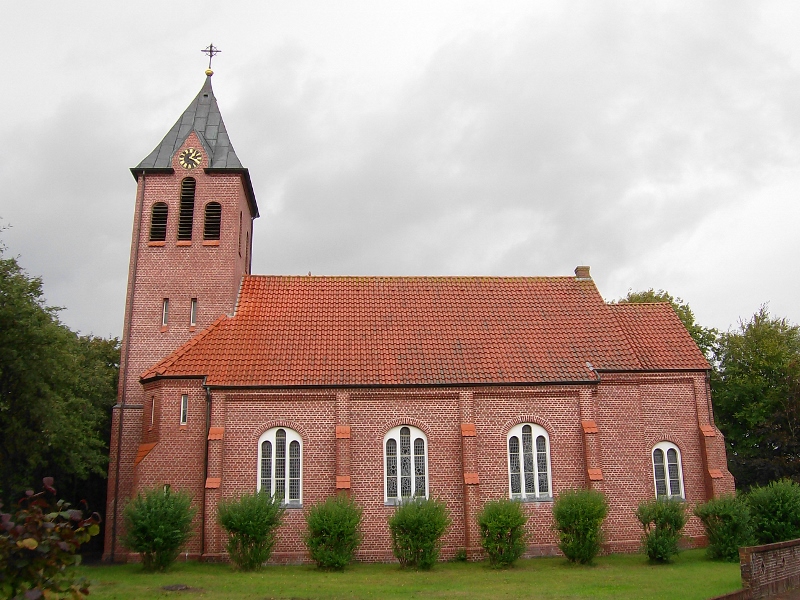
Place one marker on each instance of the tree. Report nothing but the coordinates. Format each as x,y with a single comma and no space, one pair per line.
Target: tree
56,391
757,399
704,337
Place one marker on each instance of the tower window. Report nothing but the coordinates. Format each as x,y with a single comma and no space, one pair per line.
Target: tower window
212,221
165,312
186,217
184,408
240,233
158,222
193,313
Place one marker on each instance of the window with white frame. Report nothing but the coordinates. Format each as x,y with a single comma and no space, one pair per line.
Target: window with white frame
193,312
165,312
529,475
184,408
667,471
280,465
405,464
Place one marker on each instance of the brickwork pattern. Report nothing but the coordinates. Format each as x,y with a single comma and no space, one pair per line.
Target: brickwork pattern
649,408
770,569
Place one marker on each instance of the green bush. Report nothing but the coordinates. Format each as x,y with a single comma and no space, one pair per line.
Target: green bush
158,523
38,544
727,523
662,520
775,511
417,527
502,524
333,532
251,522
578,516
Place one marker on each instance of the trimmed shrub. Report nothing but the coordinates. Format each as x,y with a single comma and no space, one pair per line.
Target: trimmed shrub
417,527
727,523
333,532
251,521
579,516
662,520
158,523
502,524
38,544
775,511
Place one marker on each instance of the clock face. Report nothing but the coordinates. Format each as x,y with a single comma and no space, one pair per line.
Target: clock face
190,158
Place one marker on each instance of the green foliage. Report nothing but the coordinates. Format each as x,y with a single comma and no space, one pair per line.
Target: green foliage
502,524
579,516
333,532
251,521
38,544
158,523
727,523
757,399
417,527
705,338
56,391
662,520
775,511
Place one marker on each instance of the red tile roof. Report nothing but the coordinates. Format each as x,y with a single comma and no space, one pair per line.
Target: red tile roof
352,331
658,336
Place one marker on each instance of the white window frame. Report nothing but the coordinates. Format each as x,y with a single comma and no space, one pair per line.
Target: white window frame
271,436
537,494
414,434
193,312
165,312
665,447
184,408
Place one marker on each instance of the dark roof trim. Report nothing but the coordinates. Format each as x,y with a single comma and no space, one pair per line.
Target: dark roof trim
653,370
136,171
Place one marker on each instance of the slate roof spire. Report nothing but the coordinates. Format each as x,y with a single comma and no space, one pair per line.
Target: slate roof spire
203,117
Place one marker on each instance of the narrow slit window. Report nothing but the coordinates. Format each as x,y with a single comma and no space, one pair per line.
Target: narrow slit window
184,408
193,313
213,221
165,312
240,233
152,411
186,218
158,222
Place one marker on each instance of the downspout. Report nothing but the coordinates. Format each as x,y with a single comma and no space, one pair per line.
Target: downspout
124,372
205,471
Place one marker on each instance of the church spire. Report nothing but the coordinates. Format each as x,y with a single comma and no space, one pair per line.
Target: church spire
203,117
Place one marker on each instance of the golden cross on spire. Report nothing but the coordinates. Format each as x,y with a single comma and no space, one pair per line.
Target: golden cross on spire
210,51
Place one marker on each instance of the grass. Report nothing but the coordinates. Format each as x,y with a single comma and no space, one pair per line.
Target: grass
690,576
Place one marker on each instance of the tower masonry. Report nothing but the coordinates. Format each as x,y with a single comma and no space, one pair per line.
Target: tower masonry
191,246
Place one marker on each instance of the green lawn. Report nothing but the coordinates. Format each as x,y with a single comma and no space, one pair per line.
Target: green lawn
618,577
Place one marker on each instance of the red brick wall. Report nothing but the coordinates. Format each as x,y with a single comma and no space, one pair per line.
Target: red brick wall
210,273
633,412
770,569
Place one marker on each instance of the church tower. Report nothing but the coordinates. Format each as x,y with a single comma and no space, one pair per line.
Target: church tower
192,239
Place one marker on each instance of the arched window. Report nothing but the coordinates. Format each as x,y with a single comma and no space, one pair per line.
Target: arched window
186,217
280,465
212,222
667,471
158,222
405,464
529,476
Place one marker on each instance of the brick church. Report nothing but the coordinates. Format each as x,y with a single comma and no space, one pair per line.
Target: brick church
465,389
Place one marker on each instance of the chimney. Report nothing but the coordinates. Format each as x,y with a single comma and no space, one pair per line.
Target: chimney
582,272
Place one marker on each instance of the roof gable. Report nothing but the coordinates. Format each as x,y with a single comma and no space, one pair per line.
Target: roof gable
383,331
204,118
658,336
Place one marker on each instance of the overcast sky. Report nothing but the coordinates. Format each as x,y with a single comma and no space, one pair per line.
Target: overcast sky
658,142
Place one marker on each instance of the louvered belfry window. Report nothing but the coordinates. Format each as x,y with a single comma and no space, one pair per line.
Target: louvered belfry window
158,222
212,222
186,217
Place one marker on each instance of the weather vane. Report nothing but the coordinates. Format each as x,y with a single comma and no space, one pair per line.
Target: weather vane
210,51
